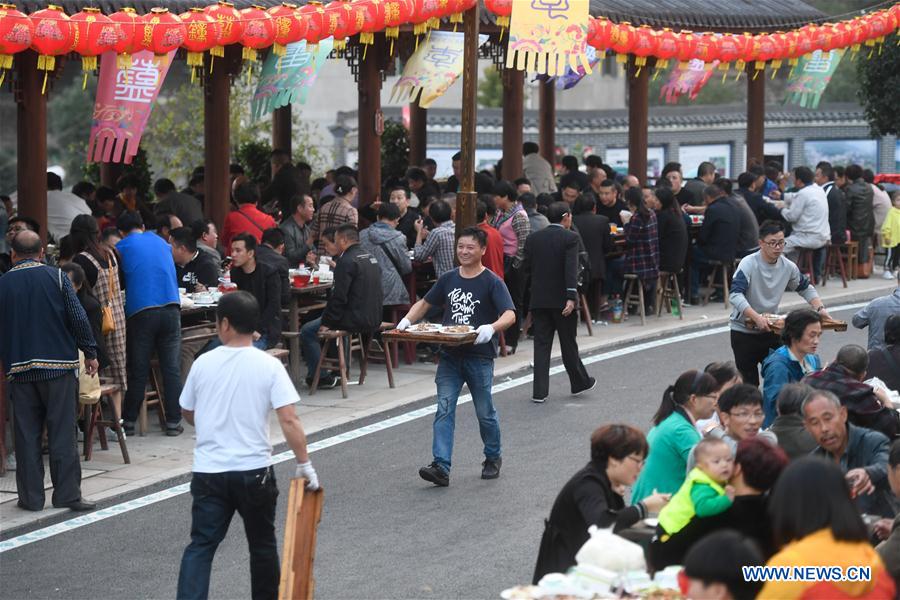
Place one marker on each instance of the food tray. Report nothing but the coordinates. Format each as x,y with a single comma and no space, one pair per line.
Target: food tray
431,337
776,323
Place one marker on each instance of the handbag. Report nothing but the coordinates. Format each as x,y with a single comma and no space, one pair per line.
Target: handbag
88,385
109,322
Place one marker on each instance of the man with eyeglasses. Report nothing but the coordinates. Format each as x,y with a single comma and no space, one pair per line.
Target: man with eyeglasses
14,226
759,283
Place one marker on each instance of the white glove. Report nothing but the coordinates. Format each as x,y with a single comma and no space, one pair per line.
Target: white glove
306,471
403,324
485,334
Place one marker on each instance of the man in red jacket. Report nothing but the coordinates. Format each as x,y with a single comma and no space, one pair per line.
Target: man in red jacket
493,257
247,218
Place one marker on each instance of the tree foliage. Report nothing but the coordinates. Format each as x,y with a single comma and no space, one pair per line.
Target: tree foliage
394,150
490,89
879,87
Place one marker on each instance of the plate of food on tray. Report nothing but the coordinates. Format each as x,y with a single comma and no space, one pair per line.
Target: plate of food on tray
457,330
424,328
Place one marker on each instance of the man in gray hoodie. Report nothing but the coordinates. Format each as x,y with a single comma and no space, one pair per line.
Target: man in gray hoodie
389,248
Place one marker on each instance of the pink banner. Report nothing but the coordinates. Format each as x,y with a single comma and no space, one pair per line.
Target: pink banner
687,81
124,101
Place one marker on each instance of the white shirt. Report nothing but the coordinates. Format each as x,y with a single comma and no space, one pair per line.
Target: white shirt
231,391
807,210
62,208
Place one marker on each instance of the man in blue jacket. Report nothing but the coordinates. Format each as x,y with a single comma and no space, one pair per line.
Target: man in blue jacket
44,326
794,360
153,311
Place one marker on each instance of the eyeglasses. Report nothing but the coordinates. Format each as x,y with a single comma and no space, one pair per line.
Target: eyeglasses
776,244
757,414
638,461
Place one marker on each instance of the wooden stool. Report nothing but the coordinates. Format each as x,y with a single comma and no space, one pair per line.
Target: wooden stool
585,313
806,264
721,269
634,298
667,291
852,259
346,343
834,258
397,312
281,354
95,422
152,399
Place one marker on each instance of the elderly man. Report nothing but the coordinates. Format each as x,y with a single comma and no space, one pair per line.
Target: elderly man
44,326
706,175
538,171
298,245
861,453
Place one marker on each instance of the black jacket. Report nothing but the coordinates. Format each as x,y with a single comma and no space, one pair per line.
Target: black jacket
837,214
673,241
267,255
587,499
285,185
720,231
594,232
202,269
763,210
355,303
551,260
265,285
610,212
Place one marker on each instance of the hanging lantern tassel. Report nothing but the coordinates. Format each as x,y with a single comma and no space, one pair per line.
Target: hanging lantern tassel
392,33
123,61
661,64
776,64
503,24
793,62
724,68
621,58
760,67
88,65
456,19
641,62
249,54
46,63
6,62
367,38
740,66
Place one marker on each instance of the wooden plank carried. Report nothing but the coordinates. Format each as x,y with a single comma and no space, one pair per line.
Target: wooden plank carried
776,323
429,338
304,511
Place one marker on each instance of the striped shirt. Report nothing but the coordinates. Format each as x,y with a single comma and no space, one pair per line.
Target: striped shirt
439,246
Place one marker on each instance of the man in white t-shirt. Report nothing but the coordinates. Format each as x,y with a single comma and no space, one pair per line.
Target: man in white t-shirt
228,396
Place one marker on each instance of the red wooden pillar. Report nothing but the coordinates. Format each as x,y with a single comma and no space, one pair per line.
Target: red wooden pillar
217,133
513,122
371,123
547,121
281,129
638,119
418,134
31,134
756,117
466,196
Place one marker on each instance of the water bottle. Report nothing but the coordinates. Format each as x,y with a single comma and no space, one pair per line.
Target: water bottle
617,310
676,307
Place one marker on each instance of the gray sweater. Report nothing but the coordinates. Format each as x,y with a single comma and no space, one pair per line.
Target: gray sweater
761,285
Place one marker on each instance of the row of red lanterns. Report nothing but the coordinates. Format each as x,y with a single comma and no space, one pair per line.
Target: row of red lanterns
90,33
643,42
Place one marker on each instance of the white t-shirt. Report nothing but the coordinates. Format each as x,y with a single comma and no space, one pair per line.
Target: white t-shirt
231,391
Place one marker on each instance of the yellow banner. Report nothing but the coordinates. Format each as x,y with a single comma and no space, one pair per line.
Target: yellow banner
546,36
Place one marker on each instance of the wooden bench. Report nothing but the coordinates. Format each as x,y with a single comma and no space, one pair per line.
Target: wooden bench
96,422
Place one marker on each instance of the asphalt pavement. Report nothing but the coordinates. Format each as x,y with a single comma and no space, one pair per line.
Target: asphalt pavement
385,533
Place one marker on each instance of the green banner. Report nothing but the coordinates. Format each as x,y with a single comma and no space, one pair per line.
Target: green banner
287,79
813,75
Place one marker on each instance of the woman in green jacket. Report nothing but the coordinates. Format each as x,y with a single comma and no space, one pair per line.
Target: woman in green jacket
693,397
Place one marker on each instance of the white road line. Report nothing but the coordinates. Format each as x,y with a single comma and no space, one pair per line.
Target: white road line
349,436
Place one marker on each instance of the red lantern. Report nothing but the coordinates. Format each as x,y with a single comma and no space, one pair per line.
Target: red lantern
53,36
805,40
316,23
425,17
259,31
161,31
455,10
231,27
622,39
686,43
644,45
599,32
95,33
127,26
878,29
201,34
750,51
731,48
706,47
344,20
373,22
16,32
766,49
840,36
289,27
894,16
666,48
781,42
502,9
820,37
396,13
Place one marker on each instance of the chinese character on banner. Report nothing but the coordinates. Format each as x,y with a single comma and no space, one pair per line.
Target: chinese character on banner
442,57
295,56
288,79
814,75
139,83
555,9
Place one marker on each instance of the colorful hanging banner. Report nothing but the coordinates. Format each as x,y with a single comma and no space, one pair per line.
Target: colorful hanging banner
287,79
125,98
432,69
813,75
687,81
547,35
571,77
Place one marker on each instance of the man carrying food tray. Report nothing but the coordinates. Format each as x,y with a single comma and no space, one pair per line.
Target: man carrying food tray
759,283
474,297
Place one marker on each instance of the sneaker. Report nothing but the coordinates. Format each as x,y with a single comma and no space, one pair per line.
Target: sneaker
591,385
435,474
174,431
329,382
887,275
539,400
128,429
490,468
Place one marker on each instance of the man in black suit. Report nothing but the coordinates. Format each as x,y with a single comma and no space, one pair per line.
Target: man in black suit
594,232
271,252
551,258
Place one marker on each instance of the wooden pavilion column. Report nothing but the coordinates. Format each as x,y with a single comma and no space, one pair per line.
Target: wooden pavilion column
466,196
31,134
756,117
418,134
547,121
281,129
638,119
109,173
369,139
216,130
513,122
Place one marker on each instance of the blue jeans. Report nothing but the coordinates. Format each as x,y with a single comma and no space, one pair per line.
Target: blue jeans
478,373
154,331
216,496
309,345
262,343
